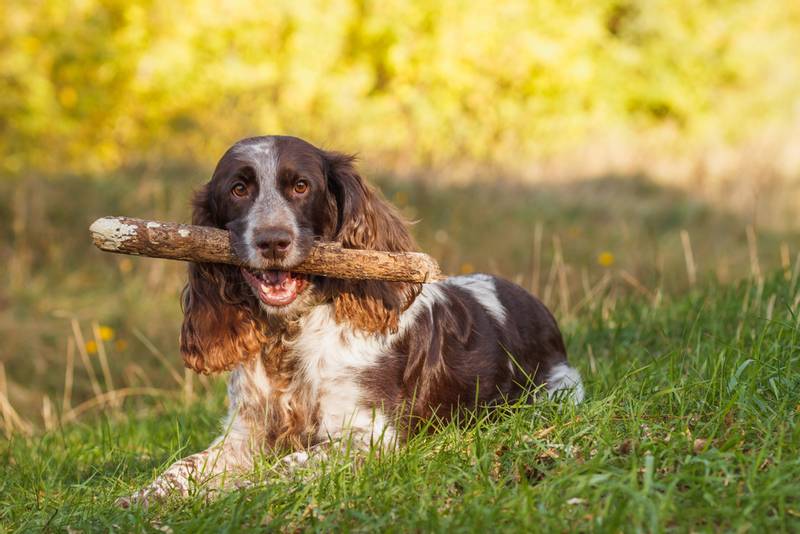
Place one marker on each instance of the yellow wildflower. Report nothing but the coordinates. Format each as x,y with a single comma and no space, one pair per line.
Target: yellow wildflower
606,259
106,333
125,265
120,345
467,268
91,346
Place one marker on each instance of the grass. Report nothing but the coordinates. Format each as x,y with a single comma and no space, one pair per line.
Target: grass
693,383
692,422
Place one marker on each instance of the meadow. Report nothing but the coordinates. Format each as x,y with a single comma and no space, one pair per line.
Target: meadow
634,163
682,318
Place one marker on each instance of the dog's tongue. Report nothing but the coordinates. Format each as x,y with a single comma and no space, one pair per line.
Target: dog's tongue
276,278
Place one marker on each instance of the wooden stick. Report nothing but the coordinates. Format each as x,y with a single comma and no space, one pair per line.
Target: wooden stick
138,237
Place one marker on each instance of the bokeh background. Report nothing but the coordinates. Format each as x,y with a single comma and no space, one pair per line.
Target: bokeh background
593,151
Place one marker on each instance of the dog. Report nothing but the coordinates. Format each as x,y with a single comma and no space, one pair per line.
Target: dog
316,362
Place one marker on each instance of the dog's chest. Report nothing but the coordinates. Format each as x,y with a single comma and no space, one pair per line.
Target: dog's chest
312,390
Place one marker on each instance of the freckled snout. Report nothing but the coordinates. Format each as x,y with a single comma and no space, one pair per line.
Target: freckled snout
274,243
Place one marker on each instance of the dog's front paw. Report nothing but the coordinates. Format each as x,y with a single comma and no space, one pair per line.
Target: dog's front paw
144,497
295,459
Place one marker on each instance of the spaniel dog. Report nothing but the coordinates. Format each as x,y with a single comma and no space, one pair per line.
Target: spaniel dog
316,362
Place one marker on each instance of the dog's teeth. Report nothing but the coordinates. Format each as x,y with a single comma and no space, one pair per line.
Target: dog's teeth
264,288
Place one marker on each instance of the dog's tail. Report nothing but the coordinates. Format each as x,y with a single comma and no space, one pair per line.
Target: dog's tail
565,382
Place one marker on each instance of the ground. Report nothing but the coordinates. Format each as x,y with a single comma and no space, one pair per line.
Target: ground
691,422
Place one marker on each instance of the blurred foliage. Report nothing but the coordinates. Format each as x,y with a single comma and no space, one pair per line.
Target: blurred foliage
91,85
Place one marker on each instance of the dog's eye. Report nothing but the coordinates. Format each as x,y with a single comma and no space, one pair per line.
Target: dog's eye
300,187
239,190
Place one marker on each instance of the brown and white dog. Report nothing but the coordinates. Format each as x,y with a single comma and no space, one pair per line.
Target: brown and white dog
317,361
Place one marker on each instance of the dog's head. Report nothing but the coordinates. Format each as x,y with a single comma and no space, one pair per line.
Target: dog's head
276,196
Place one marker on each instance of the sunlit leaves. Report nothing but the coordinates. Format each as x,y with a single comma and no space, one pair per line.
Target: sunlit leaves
91,85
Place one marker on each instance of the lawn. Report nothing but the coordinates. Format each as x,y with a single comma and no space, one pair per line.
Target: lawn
691,422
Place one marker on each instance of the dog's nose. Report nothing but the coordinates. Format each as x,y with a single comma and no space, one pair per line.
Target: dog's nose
273,243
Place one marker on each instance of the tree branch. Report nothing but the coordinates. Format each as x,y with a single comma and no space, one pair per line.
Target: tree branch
155,239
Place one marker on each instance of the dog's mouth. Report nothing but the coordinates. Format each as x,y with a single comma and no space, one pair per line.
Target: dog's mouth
276,288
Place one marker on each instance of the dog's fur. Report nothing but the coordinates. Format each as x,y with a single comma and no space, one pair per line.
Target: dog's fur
362,361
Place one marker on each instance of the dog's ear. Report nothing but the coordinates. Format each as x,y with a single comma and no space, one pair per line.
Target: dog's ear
367,221
219,329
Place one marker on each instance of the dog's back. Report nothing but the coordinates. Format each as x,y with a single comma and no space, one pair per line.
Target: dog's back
470,341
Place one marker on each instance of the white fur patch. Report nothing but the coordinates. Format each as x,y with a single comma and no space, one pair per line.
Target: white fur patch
242,380
424,302
333,354
483,288
565,378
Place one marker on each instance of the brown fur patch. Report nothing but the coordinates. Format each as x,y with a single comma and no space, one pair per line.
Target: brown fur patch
218,332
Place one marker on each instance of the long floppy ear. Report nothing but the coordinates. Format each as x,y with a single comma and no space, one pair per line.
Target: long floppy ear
219,327
367,221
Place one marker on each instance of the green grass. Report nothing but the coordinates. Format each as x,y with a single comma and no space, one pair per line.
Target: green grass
692,422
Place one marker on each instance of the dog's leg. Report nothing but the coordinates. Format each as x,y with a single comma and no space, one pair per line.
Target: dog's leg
218,467
356,443
297,459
